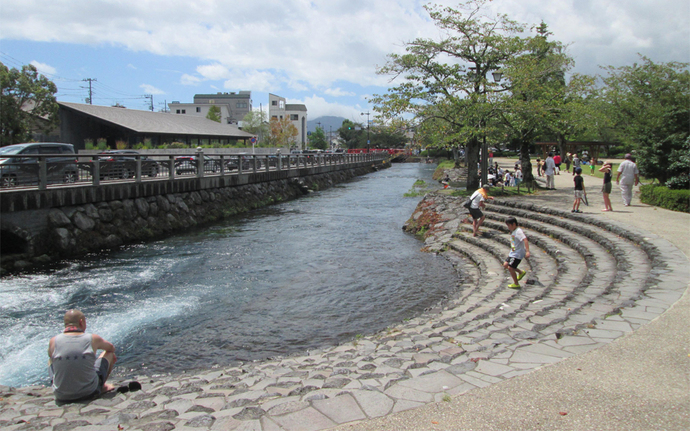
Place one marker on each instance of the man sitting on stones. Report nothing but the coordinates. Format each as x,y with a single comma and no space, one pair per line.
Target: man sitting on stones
76,373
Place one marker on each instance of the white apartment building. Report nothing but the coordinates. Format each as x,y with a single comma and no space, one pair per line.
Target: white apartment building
233,106
279,109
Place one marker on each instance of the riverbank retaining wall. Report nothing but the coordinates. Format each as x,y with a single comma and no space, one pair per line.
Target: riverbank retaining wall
43,228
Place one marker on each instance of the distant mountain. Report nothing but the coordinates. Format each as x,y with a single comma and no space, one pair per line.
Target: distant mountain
327,122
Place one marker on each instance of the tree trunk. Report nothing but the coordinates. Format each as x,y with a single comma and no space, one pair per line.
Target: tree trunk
525,162
561,145
472,158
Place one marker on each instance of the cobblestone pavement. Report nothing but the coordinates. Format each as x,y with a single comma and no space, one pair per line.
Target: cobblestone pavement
589,282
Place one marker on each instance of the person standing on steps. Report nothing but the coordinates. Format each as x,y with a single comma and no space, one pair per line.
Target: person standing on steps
76,373
519,250
579,189
628,175
606,189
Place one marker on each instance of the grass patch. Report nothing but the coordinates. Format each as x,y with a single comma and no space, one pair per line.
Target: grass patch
419,188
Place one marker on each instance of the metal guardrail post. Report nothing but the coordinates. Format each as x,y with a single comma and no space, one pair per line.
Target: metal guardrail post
42,173
267,161
254,162
222,165
240,159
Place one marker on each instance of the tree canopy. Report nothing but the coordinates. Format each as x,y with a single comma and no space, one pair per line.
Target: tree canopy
25,97
649,106
213,113
318,140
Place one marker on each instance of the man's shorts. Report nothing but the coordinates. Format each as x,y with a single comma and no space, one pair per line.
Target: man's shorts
476,213
579,194
513,262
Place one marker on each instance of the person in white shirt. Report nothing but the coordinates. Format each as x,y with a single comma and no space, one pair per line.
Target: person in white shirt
550,171
628,175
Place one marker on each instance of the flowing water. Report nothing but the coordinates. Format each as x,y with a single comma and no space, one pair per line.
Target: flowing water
296,276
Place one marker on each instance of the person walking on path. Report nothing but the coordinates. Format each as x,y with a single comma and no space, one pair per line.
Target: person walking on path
550,171
519,250
76,373
568,160
478,198
628,175
606,189
557,161
579,190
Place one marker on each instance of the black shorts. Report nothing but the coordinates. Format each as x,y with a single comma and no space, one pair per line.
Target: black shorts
476,213
513,262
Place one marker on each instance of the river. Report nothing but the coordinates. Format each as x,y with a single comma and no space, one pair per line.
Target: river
295,276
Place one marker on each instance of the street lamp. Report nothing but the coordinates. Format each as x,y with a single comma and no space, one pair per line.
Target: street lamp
497,75
367,114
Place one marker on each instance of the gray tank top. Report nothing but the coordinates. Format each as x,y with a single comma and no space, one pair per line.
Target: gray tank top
73,372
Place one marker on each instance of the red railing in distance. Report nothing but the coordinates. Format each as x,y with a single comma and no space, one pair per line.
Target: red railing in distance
391,151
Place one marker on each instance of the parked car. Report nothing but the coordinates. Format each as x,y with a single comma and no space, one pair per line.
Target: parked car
123,164
61,165
187,164
248,161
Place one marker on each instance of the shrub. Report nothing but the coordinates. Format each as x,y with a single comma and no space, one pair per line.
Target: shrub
177,145
662,196
121,145
102,144
88,144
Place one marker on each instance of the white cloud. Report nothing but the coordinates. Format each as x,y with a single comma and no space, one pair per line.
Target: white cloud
317,106
337,92
44,68
150,89
131,66
187,79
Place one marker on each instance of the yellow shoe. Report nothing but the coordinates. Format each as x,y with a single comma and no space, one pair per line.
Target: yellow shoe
514,286
521,275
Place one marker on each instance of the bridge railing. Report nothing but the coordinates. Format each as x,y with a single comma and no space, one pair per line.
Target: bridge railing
46,170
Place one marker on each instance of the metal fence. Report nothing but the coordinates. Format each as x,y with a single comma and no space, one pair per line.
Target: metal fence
44,171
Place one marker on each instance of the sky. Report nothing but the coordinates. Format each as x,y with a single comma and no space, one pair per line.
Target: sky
321,53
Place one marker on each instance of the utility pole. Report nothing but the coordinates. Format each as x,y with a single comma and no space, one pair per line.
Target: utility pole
165,106
89,80
150,97
368,141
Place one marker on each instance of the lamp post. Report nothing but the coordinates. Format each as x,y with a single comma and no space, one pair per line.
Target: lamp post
367,114
497,75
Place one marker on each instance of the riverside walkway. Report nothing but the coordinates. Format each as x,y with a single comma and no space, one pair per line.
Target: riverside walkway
477,361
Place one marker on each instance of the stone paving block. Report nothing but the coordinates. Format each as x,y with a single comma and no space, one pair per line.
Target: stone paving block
603,333
402,405
267,424
399,392
583,348
492,368
474,381
545,349
308,419
340,409
373,403
521,355
434,382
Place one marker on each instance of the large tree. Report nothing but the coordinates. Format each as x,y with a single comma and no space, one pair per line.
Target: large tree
535,101
255,122
447,80
282,132
25,97
318,140
649,104
213,113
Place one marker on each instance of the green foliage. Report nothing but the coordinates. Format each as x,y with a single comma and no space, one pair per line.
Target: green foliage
352,137
27,99
102,144
649,107
88,144
177,145
213,113
318,140
662,196
255,123
121,145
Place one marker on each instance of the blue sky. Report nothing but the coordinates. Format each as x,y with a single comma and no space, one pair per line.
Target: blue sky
320,53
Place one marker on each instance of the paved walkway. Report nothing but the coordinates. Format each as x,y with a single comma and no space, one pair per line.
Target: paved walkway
478,361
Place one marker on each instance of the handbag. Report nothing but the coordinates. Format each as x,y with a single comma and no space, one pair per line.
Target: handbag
468,203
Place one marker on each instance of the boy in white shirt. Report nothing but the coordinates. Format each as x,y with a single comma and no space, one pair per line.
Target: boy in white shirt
519,249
